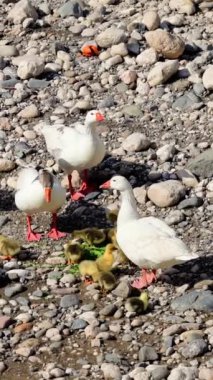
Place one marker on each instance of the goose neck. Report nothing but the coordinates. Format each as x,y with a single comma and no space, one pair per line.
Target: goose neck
128,211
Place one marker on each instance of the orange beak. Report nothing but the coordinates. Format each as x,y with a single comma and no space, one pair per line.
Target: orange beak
47,195
99,117
106,185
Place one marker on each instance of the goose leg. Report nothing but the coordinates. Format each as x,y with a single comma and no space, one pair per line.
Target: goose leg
54,233
147,278
74,195
31,236
85,188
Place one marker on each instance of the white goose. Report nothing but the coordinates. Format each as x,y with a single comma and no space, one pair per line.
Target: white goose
148,242
39,192
78,148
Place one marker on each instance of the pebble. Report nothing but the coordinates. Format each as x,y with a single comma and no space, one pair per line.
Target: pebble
29,66
161,72
22,10
183,6
78,324
147,354
8,51
111,371
195,348
11,291
5,321
207,78
2,367
69,300
72,8
110,36
136,142
186,373
151,20
190,202
29,112
6,165
202,165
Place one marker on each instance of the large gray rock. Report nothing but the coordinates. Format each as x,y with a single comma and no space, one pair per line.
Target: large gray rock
186,101
195,348
202,165
29,66
202,301
72,8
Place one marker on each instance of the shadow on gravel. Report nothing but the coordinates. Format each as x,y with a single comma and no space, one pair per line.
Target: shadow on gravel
85,213
192,272
7,202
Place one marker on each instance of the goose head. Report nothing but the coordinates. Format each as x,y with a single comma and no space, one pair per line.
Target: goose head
46,180
117,183
93,117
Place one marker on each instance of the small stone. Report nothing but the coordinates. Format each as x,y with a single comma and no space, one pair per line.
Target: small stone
166,152
78,324
113,61
128,76
27,347
29,112
69,300
110,36
205,374
136,142
158,372
187,178
186,373
29,66
57,260
72,8
108,310
186,101
165,194
111,371
6,165
165,43
5,321
162,71
133,110
183,6
195,348
5,124
191,335
147,353
175,217
23,327
22,10
2,367
123,290
208,78
147,58
190,202
58,373
202,165
10,291
140,194
8,51
120,49
37,83
151,20
172,330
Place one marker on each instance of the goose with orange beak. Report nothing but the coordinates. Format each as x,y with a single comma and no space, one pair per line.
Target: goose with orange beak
76,148
148,242
39,192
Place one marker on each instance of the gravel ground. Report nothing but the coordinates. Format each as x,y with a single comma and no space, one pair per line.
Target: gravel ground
153,80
